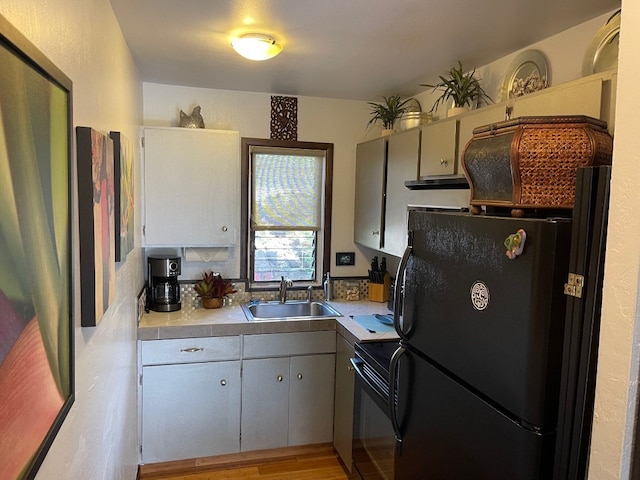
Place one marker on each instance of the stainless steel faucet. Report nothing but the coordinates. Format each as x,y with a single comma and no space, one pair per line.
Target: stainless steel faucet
282,294
309,293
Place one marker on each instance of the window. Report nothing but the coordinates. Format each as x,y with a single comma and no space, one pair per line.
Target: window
286,210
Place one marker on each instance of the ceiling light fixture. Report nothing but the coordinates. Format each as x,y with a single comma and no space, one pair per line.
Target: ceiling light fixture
256,46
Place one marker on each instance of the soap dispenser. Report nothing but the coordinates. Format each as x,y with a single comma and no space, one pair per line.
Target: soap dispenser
327,288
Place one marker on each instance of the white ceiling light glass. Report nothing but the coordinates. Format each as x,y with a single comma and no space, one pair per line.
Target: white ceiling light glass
256,46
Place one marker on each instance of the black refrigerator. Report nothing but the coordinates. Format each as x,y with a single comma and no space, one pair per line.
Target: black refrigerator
481,377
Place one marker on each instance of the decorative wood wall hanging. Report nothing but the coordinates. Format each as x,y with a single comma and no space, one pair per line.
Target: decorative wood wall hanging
36,341
284,118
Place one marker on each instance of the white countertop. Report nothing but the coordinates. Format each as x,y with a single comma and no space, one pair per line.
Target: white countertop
230,320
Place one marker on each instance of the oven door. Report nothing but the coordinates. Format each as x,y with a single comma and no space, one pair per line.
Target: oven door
374,442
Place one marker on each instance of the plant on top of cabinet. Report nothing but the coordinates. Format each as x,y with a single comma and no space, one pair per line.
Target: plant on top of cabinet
388,111
212,288
463,88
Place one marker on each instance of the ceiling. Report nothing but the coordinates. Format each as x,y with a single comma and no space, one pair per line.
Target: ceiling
349,49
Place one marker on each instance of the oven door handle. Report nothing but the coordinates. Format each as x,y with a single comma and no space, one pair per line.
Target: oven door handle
357,363
393,407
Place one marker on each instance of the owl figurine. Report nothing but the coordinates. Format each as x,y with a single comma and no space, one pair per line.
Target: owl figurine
194,120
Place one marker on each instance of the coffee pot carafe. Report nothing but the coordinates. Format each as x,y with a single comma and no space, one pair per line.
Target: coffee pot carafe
163,287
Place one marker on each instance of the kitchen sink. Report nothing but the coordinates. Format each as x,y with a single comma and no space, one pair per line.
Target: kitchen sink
291,310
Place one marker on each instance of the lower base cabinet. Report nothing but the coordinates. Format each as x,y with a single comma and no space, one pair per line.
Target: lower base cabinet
343,420
287,401
201,397
190,410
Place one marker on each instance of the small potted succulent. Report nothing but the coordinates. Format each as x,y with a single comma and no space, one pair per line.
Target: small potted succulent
387,112
212,288
463,88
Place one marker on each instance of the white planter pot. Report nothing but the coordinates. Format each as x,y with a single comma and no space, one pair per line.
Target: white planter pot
453,111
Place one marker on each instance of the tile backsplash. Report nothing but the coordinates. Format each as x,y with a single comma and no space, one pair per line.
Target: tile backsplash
341,287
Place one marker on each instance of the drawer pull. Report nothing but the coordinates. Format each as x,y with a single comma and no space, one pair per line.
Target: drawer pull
443,161
299,376
279,378
223,382
192,349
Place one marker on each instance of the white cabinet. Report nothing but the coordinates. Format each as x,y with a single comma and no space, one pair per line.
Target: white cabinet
287,399
343,418
189,405
371,162
191,187
402,165
265,403
438,154
311,398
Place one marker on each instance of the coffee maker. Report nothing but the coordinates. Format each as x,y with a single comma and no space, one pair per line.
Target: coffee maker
163,294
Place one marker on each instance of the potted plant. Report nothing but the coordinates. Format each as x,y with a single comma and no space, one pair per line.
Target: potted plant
387,112
212,288
463,88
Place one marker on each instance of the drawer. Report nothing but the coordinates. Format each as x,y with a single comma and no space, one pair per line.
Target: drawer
190,350
288,344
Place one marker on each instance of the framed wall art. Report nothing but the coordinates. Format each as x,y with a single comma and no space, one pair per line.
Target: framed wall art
36,341
96,223
124,198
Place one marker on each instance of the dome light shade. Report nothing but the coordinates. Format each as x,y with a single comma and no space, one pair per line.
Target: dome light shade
256,46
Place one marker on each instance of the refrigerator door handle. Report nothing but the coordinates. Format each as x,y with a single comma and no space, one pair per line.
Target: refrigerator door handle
393,407
397,294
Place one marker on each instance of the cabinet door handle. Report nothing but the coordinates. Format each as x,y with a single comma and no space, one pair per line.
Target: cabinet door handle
375,232
443,161
223,382
349,368
192,349
224,228
279,377
299,376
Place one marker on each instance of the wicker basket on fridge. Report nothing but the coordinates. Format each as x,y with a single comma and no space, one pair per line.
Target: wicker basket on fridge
531,162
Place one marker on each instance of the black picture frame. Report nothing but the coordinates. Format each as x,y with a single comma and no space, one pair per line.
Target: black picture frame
36,322
345,258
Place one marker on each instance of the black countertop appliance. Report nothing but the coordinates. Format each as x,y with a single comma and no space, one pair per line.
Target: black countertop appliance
163,294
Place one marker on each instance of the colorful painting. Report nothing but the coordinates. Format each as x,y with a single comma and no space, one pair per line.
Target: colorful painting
123,195
97,224
36,342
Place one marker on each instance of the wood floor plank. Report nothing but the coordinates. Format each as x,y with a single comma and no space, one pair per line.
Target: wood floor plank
316,462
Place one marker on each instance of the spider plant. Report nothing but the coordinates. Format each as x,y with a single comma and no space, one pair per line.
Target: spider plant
388,111
463,88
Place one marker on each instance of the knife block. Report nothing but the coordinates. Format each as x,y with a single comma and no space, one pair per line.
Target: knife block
379,292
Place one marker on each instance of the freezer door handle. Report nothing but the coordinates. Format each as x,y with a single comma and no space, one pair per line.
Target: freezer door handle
393,404
398,290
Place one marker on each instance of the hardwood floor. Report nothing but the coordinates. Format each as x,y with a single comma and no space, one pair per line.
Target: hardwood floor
316,462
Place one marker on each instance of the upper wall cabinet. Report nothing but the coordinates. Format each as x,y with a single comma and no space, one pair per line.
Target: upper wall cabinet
403,152
439,148
371,164
191,187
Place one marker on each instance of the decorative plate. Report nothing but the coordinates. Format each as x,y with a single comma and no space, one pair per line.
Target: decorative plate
527,73
602,52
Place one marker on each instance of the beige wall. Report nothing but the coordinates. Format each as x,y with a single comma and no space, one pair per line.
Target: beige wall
616,390
341,122
99,437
